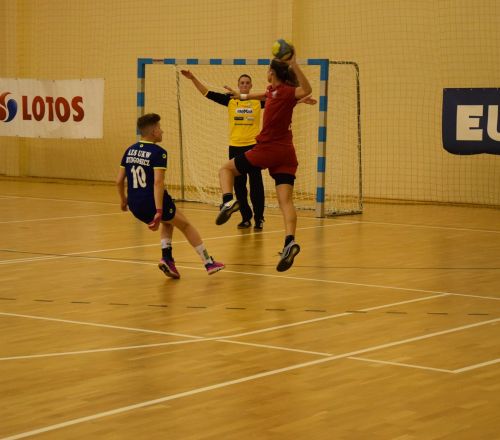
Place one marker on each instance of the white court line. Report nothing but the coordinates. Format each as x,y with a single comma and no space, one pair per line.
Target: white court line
160,344
7,196
100,350
428,226
399,364
338,315
318,280
273,215
60,218
234,382
473,367
76,254
274,347
202,339
457,371
94,324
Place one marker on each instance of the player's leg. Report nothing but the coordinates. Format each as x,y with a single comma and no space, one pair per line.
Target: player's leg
240,190
167,263
284,193
229,205
193,237
257,197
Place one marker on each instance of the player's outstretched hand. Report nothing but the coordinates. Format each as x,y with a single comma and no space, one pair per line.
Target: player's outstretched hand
234,93
155,224
123,205
307,100
292,60
188,74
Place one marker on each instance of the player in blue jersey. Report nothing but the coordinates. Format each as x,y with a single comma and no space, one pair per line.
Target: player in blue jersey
143,166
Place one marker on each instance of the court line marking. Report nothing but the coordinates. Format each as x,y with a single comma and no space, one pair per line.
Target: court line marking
94,324
76,254
160,344
10,196
346,283
452,228
59,218
196,338
475,366
271,215
456,371
400,364
234,382
337,315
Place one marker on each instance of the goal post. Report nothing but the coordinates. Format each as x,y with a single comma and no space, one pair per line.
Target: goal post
196,130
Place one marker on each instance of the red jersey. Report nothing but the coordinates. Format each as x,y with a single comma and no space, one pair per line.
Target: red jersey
277,122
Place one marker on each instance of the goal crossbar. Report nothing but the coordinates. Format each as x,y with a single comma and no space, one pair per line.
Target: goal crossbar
323,65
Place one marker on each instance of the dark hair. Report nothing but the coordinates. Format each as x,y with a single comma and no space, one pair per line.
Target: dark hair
245,76
284,73
147,120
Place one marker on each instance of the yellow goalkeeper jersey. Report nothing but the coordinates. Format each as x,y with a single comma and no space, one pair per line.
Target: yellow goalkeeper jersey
244,118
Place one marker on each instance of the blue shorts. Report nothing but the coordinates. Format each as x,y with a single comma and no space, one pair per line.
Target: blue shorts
145,210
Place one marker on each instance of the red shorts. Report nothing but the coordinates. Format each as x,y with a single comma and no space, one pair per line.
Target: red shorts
278,158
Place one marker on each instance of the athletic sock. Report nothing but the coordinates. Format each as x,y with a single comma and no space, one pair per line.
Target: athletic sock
227,197
202,252
289,239
166,248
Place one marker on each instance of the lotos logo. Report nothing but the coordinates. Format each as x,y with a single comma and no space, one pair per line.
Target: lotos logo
39,108
7,111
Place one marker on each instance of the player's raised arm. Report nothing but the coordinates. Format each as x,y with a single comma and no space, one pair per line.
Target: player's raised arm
304,89
245,96
198,84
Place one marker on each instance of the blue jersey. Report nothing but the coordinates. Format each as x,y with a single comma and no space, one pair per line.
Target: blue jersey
140,161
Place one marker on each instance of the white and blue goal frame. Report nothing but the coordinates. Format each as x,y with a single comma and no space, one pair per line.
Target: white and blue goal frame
324,66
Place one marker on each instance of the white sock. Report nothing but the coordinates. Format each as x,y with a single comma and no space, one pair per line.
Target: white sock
166,243
202,252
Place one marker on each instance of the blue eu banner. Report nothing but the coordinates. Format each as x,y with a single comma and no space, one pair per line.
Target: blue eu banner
470,121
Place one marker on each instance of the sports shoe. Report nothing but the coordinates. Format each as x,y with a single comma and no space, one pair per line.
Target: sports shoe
168,268
259,225
214,266
226,210
244,225
287,256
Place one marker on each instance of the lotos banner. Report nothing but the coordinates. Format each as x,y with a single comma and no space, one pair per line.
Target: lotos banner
51,109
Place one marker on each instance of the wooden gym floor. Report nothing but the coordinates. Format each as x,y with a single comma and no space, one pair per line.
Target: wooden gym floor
386,327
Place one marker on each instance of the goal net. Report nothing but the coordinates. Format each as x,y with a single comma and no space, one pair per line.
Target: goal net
326,135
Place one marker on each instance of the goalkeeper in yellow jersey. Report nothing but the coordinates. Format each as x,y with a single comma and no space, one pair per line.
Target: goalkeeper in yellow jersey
244,126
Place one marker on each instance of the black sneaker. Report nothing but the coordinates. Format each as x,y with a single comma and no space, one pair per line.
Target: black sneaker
226,210
244,225
259,225
287,256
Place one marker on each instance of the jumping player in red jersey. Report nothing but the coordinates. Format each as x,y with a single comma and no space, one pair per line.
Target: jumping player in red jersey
143,166
274,149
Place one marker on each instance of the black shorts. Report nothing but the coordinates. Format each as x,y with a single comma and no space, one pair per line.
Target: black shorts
145,210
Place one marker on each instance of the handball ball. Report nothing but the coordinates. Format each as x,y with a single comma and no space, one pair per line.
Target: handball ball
283,49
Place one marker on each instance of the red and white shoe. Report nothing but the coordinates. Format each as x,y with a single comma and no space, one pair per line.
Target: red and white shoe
214,267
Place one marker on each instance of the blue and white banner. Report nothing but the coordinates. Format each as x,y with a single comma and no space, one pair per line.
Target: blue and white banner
470,121
51,109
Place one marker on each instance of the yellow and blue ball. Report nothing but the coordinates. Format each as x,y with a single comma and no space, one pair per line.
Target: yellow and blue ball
283,49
